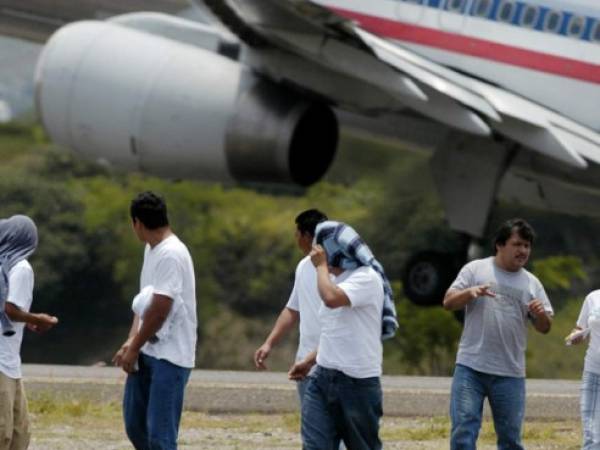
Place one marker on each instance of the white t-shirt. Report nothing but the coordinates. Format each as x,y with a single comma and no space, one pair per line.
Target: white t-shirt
306,300
494,336
21,295
589,317
351,335
168,268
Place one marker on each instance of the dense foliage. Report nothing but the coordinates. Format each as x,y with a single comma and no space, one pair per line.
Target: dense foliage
88,261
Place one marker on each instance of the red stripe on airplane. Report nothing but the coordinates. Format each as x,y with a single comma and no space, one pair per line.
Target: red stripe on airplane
543,62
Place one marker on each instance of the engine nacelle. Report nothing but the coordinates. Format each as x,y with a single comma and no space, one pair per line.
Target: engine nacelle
144,102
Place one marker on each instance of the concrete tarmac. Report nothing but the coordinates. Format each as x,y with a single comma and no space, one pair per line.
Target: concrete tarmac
271,392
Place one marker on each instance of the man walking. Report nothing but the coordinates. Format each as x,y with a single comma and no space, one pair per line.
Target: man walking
304,302
160,352
343,400
499,297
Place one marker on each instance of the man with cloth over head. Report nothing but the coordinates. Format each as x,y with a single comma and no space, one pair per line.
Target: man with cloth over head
343,400
18,240
499,297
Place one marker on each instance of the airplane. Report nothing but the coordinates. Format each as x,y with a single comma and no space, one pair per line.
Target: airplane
503,93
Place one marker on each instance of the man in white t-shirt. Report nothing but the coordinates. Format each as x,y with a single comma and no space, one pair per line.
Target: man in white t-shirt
588,326
161,348
499,297
343,400
304,302
18,240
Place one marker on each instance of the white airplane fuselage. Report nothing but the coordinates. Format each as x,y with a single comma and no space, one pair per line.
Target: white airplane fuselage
545,50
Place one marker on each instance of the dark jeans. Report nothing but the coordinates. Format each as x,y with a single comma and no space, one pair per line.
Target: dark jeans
507,402
301,386
338,407
152,403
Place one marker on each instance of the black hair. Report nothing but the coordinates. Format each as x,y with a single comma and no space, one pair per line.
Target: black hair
150,209
505,231
307,221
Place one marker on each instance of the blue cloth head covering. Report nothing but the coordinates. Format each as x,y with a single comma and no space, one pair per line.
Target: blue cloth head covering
18,240
345,249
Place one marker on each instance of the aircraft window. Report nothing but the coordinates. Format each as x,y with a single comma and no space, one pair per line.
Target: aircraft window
552,22
529,16
506,11
576,26
596,32
482,8
455,5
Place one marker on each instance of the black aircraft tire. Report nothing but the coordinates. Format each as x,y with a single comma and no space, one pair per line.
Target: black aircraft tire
427,276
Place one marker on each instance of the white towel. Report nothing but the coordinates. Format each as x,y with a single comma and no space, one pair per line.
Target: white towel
140,304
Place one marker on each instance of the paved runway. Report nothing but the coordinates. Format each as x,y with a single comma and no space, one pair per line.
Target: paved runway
271,392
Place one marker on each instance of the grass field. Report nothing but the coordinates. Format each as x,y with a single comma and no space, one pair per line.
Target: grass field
75,425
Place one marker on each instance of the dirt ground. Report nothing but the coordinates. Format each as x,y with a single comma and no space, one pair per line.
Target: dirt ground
85,427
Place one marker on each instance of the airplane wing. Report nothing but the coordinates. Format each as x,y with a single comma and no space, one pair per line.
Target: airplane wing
421,85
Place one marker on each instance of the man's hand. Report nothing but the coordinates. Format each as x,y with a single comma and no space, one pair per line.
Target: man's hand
117,358
536,307
300,370
575,336
126,357
318,256
42,322
481,291
541,321
129,360
261,355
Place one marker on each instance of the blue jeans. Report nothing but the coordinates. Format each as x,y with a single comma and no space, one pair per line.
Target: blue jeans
301,386
338,407
152,403
590,411
506,396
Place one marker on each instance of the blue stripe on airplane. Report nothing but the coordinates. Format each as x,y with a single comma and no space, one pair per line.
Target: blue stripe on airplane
590,27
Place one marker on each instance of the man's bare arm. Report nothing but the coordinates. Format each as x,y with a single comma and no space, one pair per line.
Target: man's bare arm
286,320
332,296
154,317
39,322
456,299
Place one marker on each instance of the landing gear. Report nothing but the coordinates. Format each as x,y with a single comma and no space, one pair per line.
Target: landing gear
428,275
467,171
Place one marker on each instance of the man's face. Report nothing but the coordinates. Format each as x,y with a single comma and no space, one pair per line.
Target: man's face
304,241
515,253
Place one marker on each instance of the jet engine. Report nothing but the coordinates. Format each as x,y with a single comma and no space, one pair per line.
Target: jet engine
145,102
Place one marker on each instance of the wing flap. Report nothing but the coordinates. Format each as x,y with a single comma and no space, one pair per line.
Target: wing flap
589,150
406,63
526,122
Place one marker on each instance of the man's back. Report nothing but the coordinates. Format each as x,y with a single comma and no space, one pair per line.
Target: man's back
168,268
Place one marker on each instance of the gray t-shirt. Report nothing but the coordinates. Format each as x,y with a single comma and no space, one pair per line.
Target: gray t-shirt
494,337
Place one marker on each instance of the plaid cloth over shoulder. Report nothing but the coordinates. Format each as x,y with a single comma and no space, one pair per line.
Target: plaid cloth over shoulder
346,249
